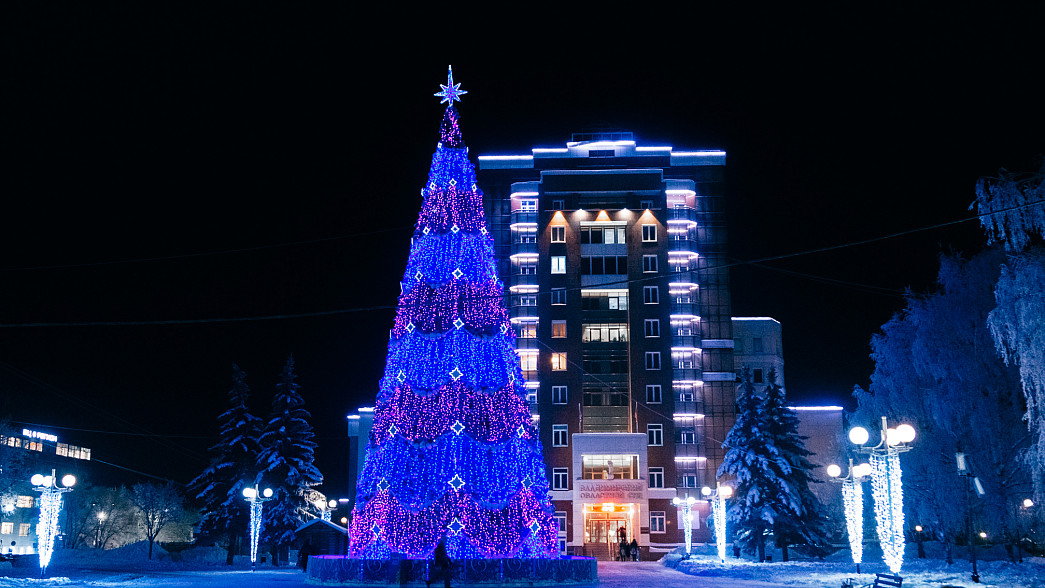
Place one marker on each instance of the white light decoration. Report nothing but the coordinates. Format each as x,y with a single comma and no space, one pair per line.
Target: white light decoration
687,519
257,501
858,435
887,490
50,508
853,502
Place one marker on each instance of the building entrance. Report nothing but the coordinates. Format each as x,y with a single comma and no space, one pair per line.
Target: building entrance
604,526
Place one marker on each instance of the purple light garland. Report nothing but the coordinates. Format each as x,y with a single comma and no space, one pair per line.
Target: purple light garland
434,310
485,416
385,525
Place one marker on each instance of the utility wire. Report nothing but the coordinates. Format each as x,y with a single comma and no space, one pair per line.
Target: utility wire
624,281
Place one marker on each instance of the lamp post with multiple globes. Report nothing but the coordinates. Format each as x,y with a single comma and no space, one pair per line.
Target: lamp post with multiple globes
853,501
50,508
717,498
257,498
886,487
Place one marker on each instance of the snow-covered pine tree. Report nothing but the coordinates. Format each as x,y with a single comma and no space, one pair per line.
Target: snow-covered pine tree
757,470
233,466
802,522
285,459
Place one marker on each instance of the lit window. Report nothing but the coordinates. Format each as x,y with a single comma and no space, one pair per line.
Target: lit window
528,205
560,436
604,332
652,327
656,521
656,477
528,362
559,395
649,233
603,235
560,479
559,362
527,300
7,528
528,331
558,296
558,329
655,433
23,530
654,394
604,300
653,360
649,264
24,502
688,438
558,234
558,264
650,295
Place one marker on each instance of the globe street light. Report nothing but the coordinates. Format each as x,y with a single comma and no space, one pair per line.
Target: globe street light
50,508
717,498
886,487
853,501
257,500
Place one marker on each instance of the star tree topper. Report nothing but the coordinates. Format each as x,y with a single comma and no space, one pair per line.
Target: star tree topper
451,92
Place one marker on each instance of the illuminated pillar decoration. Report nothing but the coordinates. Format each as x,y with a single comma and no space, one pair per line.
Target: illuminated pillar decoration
50,508
687,519
718,511
853,502
887,488
453,452
257,501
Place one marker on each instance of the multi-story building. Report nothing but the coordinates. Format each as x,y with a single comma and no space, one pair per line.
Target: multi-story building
614,257
19,504
758,346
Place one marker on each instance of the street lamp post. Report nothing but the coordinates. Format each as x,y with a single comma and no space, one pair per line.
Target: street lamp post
50,508
1027,504
257,499
974,483
717,498
331,506
853,501
687,518
886,487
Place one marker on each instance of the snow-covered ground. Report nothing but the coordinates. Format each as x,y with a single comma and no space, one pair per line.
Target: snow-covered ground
205,567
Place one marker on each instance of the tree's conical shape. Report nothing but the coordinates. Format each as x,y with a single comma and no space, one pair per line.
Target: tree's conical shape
452,453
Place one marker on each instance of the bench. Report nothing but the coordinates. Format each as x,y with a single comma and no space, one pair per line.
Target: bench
887,581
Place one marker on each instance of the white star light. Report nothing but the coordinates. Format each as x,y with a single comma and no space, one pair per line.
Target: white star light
451,92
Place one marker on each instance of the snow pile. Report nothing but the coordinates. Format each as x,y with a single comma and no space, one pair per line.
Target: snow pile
838,568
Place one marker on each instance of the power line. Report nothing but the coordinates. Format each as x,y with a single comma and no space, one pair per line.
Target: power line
202,253
754,262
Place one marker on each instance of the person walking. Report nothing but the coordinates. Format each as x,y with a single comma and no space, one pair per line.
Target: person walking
443,563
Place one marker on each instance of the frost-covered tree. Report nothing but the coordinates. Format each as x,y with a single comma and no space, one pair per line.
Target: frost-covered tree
1012,209
802,521
757,468
99,516
233,466
285,459
158,505
936,369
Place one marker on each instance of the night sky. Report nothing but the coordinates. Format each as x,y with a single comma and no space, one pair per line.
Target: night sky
168,166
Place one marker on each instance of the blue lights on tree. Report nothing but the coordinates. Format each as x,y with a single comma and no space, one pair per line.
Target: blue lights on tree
453,453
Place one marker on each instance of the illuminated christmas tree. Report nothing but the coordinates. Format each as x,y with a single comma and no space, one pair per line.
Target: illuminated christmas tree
452,453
